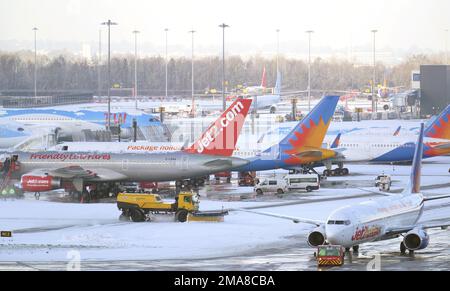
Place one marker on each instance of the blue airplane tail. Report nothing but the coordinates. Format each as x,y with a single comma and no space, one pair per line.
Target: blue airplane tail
336,142
277,88
414,183
311,131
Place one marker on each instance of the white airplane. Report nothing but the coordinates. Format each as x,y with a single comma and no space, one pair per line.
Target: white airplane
258,90
352,148
383,148
378,219
18,125
259,101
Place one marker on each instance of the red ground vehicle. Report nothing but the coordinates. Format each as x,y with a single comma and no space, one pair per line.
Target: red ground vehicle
247,179
226,175
330,255
148,187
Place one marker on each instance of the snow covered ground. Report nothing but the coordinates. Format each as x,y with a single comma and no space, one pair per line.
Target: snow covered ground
47,231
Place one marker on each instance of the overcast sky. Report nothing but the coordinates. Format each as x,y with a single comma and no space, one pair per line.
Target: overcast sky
406,25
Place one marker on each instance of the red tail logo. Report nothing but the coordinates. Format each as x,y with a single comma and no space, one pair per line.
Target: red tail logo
263,80
221,137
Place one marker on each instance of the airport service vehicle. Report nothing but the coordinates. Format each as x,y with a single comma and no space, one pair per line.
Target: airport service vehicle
140,207
211,153
271,185
383,182
129,187
225,174
308,182
147,187
7,189
378,219
247,179
11,191
330,255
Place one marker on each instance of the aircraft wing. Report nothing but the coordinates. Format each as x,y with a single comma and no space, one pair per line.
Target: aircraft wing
399,230
77,172
309,154
294,219
443,146
66,172
376,192
436,197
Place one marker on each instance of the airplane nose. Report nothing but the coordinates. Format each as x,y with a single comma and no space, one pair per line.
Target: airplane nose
334,236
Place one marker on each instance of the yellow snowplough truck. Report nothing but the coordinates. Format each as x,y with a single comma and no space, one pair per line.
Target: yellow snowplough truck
140,207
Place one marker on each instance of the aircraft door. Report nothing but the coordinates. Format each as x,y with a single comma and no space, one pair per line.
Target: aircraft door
185,164
125,164
182,162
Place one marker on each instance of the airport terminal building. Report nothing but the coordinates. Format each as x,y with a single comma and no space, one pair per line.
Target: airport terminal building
26,99
434,89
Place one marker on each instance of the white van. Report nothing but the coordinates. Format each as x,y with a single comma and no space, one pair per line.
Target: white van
308,182
270,185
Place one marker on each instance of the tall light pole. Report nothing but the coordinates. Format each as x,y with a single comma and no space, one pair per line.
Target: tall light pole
135,32
224,104
278,50
99,61
192,70
167,60
109,23
309,32
374,109
35,29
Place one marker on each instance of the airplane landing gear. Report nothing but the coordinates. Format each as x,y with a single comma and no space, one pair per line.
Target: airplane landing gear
402,248
339,172
356,249
195,182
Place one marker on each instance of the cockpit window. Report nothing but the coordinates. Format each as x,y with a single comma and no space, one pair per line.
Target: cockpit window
339,222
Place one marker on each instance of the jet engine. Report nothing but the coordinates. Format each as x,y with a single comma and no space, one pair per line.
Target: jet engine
33,183
317,236
416,239
273,109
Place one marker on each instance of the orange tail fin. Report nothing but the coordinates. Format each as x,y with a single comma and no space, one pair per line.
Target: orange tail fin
440,128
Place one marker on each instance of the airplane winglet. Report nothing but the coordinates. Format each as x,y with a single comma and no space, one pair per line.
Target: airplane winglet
221,137
414,183
397,132
277,89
